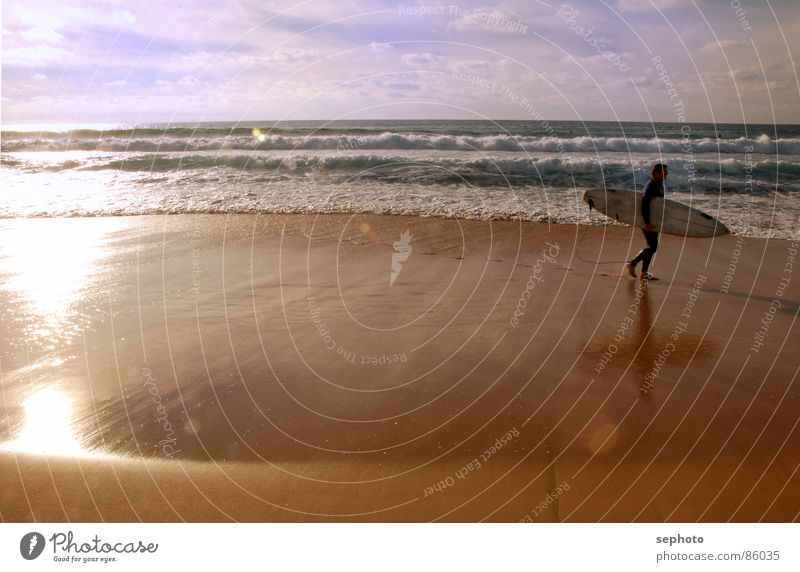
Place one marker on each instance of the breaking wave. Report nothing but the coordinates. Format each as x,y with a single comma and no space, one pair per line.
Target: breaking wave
189,142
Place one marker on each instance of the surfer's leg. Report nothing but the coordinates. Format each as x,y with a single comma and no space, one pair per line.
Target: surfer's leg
642,253
652,246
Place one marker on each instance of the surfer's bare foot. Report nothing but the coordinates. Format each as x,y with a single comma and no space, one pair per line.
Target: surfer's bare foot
631,269
648,276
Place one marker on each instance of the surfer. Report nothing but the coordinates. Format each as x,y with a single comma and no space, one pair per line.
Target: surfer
653,188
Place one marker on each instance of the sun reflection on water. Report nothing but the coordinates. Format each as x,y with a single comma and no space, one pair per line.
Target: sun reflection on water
48,266
49,426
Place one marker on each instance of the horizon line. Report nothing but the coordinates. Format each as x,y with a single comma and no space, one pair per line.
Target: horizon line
89,124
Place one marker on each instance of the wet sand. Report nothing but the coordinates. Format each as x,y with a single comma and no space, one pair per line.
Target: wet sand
302,368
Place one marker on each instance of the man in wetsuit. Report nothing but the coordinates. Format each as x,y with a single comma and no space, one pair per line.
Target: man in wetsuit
653,188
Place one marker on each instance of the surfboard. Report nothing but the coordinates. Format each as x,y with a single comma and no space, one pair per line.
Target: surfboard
667,216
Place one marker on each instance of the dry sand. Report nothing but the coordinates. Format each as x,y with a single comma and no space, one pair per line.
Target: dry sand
262,368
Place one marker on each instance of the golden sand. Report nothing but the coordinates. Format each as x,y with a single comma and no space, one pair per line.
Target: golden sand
301,368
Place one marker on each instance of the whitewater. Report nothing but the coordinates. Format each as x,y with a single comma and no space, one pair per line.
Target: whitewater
747,176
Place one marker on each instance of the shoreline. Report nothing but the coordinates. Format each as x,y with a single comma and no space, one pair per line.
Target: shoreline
496,218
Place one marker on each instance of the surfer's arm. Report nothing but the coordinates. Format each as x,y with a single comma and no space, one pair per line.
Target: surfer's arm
647,196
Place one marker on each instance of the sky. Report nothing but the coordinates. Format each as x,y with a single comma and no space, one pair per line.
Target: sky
124,62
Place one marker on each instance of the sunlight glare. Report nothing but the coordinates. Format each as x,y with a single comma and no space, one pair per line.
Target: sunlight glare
48,427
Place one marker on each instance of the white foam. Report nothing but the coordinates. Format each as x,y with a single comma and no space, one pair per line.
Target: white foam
421,141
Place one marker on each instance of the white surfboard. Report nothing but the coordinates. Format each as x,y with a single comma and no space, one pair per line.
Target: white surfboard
667,216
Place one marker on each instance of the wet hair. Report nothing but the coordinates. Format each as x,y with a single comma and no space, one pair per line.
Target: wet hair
659,168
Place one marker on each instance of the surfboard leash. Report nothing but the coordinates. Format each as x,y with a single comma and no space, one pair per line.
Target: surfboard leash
580,240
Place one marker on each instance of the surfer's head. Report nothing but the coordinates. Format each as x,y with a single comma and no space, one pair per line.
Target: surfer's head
660,171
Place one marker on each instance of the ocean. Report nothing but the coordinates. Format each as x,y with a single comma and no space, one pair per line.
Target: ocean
746,176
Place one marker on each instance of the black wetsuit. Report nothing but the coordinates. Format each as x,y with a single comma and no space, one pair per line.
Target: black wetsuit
652,189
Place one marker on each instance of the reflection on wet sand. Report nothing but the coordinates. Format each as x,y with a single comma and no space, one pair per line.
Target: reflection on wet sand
47,269
644,330
183,371
633,346
51,272
48,426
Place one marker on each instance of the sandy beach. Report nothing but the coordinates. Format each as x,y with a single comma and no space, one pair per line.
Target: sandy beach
329,368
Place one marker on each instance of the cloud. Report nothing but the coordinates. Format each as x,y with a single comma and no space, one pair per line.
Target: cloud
123,17
647,5
188,81
294,56
614,59
35,56
116,83
42,34
724,45
404,85
496,22
474,65
380,46
421,59
749,75
234,50
53,14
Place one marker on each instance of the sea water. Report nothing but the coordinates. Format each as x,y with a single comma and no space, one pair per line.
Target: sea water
747,176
